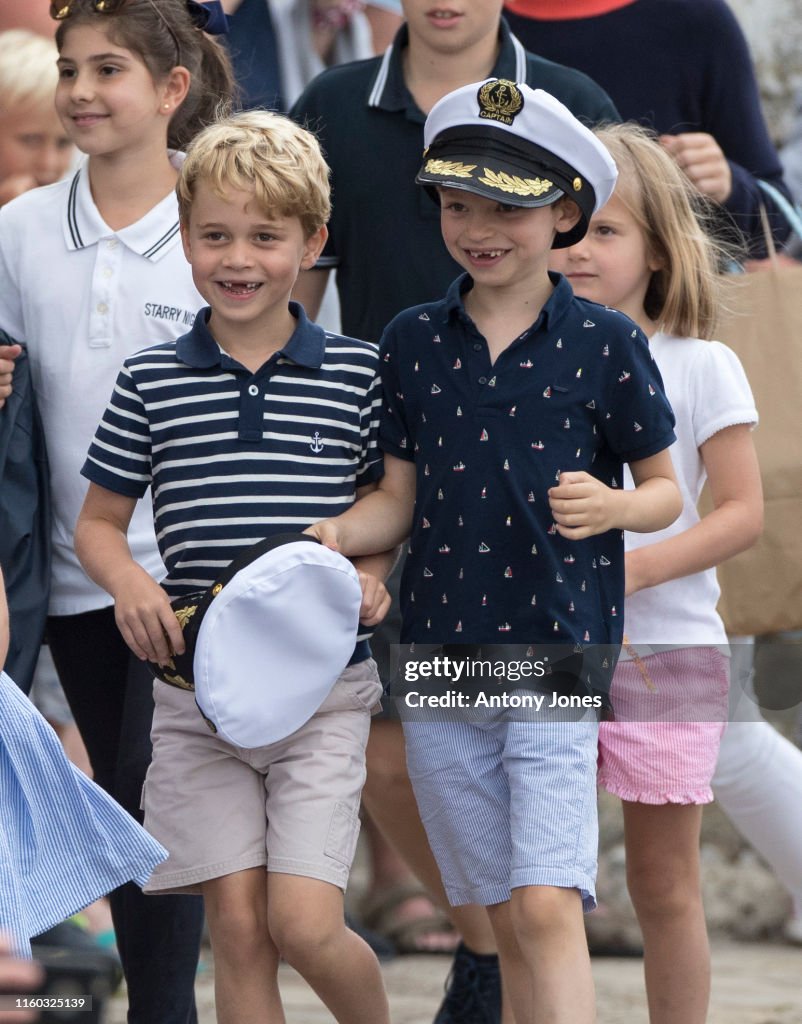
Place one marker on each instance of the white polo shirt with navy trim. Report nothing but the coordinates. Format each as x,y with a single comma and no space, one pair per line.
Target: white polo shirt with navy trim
83,297
234,456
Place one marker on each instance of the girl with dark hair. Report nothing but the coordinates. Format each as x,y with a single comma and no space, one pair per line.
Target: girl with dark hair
94,271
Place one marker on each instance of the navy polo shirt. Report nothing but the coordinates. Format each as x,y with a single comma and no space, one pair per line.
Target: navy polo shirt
577,391
233,456
384,232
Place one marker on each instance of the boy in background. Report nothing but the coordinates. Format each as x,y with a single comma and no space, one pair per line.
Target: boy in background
34,148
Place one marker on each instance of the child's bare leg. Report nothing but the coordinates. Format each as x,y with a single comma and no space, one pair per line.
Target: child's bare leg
544,955
516,981
662,844
245,958
307,923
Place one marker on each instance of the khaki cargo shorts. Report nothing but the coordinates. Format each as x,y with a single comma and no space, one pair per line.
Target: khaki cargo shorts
292,806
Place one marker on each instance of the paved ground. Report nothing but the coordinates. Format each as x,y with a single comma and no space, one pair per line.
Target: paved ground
753,984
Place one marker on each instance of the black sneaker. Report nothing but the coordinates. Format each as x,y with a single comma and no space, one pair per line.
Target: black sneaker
473,990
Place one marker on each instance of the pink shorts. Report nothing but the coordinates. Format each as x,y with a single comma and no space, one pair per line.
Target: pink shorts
670,714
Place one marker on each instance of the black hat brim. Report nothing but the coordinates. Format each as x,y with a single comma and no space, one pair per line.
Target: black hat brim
491,163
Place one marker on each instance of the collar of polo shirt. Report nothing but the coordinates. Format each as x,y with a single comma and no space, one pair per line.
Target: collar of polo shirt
556,305
306,347
389,90
153,236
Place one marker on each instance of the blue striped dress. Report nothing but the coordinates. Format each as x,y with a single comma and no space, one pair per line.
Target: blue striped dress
63,841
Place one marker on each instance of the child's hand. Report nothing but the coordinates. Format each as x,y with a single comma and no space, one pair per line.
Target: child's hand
8,353
702,159
326,532
583,506
376,599
17,975
145,618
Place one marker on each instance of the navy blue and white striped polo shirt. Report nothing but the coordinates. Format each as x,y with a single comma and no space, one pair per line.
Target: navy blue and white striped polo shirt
577,391
234,456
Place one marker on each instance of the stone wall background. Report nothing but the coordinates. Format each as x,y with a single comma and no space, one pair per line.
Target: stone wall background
774,31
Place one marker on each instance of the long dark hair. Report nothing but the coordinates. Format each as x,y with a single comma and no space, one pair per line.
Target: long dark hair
165,36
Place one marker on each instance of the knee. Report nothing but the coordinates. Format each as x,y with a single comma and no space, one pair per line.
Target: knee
540,911
238,931
304,939
661,892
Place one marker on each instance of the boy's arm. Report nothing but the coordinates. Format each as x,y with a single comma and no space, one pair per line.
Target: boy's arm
583,506
373,570
141,607
379,521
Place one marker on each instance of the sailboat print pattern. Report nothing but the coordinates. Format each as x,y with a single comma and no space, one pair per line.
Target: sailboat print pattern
489,440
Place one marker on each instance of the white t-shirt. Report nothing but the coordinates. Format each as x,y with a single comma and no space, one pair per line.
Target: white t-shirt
84,297
708,390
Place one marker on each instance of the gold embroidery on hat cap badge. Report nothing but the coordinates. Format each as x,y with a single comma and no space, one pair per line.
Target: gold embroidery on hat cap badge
500,100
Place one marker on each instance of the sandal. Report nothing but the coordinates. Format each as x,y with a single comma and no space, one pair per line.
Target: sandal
382,913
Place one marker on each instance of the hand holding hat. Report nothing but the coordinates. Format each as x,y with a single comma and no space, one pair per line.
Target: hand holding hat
145,617
376,599
267,642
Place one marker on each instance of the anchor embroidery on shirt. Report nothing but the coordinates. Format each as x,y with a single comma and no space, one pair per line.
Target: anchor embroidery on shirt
316,445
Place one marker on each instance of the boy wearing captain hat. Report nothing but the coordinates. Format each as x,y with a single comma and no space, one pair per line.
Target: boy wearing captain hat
510,409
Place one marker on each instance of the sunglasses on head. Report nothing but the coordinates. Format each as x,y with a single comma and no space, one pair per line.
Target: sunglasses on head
206,16
59,10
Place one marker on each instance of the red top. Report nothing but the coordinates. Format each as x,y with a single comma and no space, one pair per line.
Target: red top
564,10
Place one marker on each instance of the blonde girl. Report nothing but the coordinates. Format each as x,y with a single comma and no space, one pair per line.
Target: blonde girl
647,254
92,271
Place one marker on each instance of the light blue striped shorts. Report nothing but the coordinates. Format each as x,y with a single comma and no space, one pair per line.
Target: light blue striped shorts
507,804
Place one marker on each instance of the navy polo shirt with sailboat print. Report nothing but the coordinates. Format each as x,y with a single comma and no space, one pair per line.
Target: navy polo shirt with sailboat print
578,390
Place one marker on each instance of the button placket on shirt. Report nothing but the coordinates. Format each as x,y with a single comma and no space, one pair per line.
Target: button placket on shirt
476,354
251,409
106,277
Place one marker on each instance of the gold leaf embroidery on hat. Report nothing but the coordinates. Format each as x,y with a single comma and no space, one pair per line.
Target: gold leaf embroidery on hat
177,680
500,100
185,614
512,183
450,167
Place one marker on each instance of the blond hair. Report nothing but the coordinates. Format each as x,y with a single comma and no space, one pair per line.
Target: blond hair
28,74
684,294
264,153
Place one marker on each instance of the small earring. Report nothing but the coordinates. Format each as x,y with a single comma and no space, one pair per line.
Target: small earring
166,106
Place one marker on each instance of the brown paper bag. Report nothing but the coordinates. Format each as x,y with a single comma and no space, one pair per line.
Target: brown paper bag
762,587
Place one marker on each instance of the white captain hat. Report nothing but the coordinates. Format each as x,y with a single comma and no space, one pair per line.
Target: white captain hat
266,643
506,141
